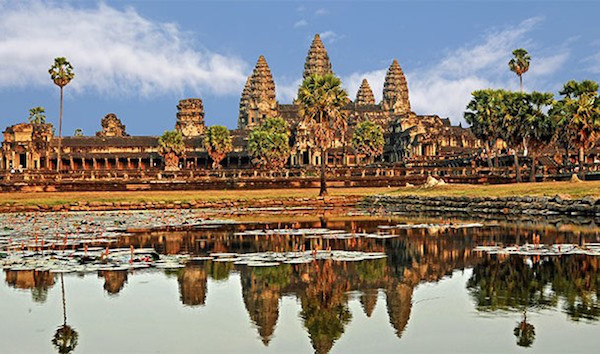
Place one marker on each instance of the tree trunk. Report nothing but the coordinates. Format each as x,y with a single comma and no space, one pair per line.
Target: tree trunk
59,159
488,151
567,159
517,167
497,159
533,168
323,191
521,81
581,163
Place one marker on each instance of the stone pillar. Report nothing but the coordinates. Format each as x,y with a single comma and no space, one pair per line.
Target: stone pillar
140,164
71,163
106,163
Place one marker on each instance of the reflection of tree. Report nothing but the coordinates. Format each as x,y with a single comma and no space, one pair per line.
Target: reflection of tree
325,307
220,270
525,332
65,338
512,285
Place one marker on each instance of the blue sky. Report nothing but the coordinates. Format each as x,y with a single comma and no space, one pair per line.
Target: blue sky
138,58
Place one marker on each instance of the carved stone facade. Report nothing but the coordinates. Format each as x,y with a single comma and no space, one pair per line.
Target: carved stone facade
111,126
190,117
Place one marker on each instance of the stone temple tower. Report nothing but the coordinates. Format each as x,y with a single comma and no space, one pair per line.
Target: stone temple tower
112,127
258,98
364,96
317,59
190,117
395,91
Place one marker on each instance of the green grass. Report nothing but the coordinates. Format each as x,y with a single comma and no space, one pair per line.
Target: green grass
564,189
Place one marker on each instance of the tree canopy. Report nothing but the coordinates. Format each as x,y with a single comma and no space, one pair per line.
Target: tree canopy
368,139
217,142
269,143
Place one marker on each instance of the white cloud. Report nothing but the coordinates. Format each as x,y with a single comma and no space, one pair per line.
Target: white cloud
330,36
321,12
547,65
445,87
113,51
300,23
286,92
375,78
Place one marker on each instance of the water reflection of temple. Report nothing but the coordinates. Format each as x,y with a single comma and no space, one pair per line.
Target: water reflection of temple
323,288
37,281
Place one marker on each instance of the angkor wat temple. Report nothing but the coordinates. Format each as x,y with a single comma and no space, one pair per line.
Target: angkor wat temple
408,136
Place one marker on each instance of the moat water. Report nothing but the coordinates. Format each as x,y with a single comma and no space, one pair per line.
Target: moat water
430,292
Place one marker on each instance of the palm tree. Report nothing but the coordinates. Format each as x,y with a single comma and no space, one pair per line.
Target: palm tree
61,72
520,64
171,146
540,128
514,107
65,338
321,98
565,134
37,115
582,103
217,142
483,115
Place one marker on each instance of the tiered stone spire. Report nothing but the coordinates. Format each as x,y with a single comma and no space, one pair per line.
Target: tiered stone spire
258,101
395,90
242,119
112,126
190,117
317,60
364,96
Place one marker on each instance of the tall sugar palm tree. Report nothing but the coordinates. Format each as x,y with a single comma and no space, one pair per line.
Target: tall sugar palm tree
61,73
519,64
321,98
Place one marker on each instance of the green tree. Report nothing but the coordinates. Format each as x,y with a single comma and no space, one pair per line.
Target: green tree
269,143
519,64
565,133
61,73
582,106
37,115
514,108
368,139
171,146
321,98
78,132
217,142
540,127
483,115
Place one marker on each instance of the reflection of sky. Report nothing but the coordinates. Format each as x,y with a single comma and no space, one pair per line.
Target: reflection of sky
147,316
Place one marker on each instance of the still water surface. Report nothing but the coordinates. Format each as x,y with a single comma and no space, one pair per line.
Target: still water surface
432,293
